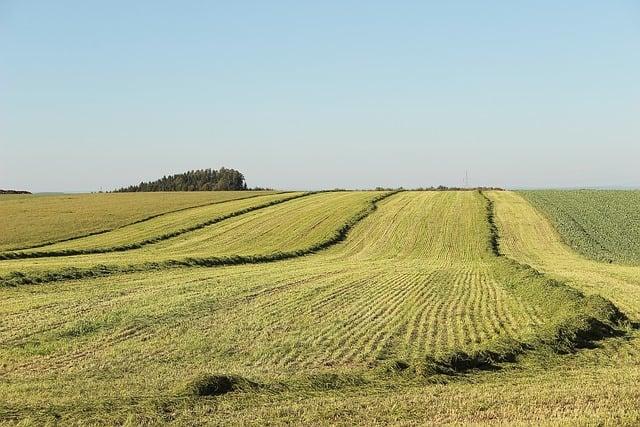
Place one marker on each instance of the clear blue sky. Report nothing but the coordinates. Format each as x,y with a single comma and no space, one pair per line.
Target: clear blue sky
320,94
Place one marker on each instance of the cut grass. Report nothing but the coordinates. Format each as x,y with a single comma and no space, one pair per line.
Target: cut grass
387,325
216,385
296,228
35,220
528,237
156,229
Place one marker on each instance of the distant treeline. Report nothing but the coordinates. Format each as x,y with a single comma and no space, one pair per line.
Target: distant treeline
14,192
195,180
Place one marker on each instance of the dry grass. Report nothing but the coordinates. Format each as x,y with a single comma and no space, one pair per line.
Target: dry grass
288,227
29,220
344,336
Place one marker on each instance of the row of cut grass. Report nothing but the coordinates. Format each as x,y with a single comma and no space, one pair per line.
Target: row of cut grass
157,229
291,229
37,220
412,288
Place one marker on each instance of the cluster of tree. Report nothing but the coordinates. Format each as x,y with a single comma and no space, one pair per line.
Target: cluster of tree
14,192
196,180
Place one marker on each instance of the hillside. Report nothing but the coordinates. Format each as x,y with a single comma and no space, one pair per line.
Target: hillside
324,308
196,180
29,221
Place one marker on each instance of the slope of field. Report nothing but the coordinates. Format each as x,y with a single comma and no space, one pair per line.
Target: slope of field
591,387
162,227
289,227
529,237
359,332
600,224
598,386
28,220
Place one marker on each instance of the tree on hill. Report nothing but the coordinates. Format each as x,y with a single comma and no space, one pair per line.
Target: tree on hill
195,180
14,192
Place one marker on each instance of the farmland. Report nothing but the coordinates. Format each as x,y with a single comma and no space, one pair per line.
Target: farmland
322,308
35,220
288,228
603,225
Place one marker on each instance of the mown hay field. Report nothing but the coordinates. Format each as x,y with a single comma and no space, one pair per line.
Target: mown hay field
30,220
154,230
264,226
331,308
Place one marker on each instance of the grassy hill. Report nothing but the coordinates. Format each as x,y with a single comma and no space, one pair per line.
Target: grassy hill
323,308
32,220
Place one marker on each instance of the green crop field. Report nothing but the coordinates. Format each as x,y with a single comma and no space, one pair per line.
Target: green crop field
603,225
373,307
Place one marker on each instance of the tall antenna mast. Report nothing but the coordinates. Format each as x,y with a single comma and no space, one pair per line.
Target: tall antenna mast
466,179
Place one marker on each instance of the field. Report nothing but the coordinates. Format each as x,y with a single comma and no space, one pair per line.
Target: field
35,220
603,225
323,308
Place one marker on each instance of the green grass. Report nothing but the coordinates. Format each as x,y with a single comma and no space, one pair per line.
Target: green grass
29,220
157,229
411,295
295,227
401,313
601,224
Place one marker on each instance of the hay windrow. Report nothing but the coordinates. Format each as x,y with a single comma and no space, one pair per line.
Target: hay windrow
155,239
73,273
573,320
206,385
138,221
